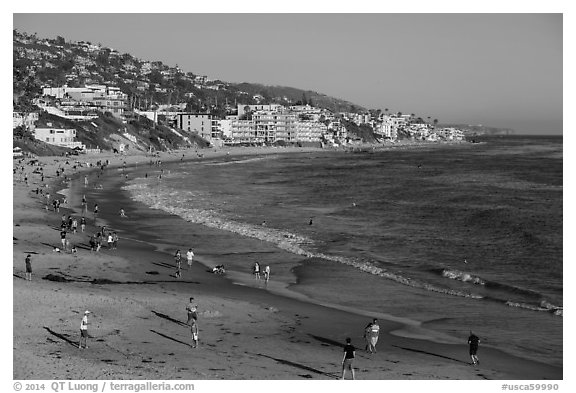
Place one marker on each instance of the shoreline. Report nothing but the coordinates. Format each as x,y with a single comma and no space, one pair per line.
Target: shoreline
296,325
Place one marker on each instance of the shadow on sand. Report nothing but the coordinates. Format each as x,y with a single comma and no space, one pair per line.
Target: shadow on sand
431,354
170,338
298,365
62,337
169,318
327,341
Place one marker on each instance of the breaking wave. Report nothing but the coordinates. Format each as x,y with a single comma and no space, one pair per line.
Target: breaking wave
462,276
543,306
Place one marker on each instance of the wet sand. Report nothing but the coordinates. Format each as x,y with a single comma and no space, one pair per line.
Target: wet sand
137,328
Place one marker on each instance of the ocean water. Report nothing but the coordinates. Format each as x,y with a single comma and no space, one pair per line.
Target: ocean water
459,237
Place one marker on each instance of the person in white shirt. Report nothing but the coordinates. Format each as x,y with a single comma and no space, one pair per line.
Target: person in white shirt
84,330
267,272
373,333
189,257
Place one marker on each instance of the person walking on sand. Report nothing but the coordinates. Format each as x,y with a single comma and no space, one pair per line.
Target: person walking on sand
63,239
28,262
114,240
95,212
84,204
194,331
349,355
98,241
189,258
373,334
366,336
110,240
83,224
473,341
257,270
267,273
84,330
191,311
123,213
178,258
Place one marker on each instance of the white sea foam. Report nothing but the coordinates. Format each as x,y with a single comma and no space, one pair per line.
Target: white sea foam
543,306
221,163
463,276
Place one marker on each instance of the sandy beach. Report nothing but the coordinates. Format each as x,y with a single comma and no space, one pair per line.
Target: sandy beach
137,324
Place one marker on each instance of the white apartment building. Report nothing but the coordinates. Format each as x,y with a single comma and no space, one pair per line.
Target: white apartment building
242,109
243,131
310,131
58,136
225,127
387,129
200,123
275,126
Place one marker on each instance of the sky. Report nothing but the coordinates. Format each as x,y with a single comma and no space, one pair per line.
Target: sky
494,69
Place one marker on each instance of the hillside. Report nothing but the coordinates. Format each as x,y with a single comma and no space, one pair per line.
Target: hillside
149,84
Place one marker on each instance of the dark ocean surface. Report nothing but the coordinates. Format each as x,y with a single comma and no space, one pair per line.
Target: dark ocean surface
457,237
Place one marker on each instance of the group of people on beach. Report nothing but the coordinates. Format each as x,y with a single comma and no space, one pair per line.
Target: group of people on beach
266,272
371,334
103,235
178,259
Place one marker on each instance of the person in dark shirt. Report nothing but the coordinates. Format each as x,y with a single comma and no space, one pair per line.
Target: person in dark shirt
28,262
473,341
63,239
349,355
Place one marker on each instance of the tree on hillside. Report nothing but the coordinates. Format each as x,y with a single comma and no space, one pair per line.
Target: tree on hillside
102,58
247,114
155,77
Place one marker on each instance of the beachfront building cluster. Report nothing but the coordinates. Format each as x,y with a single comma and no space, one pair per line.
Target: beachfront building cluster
267,124
83,103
